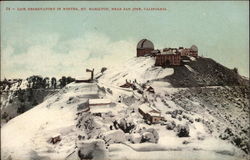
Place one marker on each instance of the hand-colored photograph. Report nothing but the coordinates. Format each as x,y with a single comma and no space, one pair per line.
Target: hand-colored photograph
125,80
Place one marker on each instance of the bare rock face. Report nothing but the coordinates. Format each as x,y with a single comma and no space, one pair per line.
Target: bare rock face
92,149
207,73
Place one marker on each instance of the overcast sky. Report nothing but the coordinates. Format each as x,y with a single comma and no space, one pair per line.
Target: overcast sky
56,43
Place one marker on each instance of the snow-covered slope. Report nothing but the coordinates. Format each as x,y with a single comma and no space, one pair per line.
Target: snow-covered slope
19,98
27,135
141,69
195,125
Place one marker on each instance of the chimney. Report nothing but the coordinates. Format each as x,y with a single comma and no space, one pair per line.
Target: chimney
92,74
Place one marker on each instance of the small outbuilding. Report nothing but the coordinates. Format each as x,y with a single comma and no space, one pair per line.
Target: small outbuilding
150,114
192,51
99,102
54,139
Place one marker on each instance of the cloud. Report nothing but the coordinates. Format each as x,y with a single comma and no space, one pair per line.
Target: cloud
49,55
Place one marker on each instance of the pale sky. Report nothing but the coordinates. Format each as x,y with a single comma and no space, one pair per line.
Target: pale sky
56,43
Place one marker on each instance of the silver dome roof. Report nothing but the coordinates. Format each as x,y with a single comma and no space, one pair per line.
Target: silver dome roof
144,43
194,48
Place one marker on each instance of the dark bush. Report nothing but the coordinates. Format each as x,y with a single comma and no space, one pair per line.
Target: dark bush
183,131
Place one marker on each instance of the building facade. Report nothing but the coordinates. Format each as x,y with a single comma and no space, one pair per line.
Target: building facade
168,60
192,51
151,115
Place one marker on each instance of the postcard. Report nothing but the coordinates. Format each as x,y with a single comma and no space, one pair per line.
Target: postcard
115,80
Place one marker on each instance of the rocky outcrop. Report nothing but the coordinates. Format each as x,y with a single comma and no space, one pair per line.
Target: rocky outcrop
207,72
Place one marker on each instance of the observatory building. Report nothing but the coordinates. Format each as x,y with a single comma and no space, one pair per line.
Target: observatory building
168,56
144,47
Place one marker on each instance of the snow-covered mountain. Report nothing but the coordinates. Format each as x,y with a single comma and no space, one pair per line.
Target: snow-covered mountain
201,121
18,97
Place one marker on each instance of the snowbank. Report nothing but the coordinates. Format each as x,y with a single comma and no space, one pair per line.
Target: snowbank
92,149
141,69
114,136
29,132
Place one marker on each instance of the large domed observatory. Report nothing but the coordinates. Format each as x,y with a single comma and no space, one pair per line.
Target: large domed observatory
144,47
194,51
194,48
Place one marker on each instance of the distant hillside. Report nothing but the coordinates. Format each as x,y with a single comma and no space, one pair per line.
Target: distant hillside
20,95
204,72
